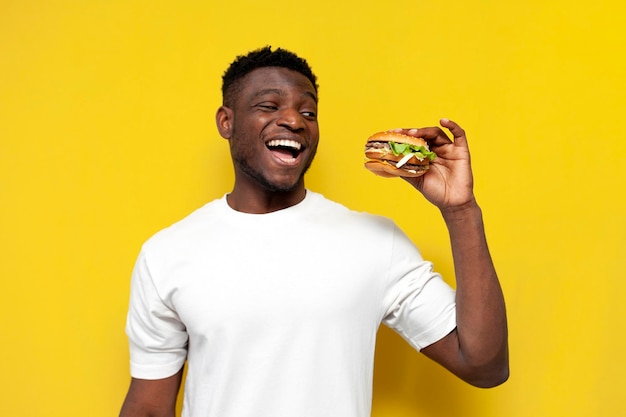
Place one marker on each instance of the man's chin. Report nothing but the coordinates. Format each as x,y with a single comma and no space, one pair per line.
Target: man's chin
276,184
283,186
280,185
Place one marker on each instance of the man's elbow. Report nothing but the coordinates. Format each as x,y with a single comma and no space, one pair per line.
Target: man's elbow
489,378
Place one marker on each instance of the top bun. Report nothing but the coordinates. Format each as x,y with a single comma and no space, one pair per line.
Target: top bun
397,137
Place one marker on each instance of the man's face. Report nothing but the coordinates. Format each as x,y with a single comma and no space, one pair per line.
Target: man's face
274,132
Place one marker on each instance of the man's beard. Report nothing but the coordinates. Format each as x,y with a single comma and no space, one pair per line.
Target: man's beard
265,182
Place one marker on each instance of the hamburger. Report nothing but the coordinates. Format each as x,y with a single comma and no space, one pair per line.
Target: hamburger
394,154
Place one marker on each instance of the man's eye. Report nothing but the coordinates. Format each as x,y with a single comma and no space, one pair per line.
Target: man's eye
269,107
309,114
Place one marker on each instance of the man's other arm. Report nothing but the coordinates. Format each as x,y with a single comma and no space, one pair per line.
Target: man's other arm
152,398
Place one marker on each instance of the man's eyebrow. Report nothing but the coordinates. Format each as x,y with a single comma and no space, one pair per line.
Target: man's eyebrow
270,91
312,95
280,92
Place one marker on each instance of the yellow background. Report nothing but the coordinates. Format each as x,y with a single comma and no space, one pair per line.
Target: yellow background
107,135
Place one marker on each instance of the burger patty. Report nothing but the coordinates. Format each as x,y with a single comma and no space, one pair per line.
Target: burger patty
378,145
407,166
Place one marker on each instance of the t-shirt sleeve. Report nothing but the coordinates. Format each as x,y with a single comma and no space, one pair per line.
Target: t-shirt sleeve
420,304
157,337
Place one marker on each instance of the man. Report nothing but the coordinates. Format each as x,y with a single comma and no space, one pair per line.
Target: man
273,295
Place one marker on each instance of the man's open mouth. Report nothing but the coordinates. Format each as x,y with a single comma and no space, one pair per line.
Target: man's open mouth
286,150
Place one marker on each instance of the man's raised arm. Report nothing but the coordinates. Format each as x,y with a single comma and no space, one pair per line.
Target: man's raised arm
477,350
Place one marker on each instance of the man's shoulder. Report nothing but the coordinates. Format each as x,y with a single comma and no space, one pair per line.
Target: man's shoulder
187,229
328,208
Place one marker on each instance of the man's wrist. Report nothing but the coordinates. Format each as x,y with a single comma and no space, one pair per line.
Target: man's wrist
462,212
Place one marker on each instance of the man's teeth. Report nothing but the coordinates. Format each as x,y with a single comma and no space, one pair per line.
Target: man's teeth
285,143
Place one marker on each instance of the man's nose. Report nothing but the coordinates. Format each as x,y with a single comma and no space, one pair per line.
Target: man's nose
291,119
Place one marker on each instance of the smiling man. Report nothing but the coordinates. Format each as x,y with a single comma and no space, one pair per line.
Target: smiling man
273,294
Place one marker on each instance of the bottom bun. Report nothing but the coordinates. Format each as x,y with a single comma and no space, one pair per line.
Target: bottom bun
388,170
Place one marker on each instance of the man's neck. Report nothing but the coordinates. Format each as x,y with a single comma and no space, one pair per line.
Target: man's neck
261,202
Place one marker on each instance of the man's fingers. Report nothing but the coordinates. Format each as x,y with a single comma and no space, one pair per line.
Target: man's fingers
435,136
457,131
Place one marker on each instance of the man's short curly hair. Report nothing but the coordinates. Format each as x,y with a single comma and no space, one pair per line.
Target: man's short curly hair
260,58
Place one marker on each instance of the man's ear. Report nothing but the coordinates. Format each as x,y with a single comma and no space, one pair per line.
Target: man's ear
224,121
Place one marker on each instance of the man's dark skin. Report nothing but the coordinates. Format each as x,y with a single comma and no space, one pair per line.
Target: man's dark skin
280,104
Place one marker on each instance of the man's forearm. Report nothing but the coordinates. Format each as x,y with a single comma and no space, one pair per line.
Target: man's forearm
481,315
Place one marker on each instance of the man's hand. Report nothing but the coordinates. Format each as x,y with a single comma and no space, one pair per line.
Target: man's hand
448,183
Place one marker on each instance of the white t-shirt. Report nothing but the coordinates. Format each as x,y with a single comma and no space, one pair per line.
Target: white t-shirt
277,313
